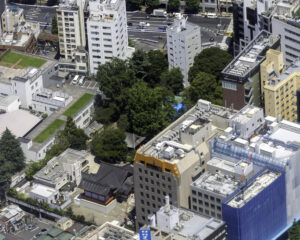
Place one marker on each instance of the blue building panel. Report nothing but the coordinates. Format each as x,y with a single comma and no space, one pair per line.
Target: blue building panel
260,218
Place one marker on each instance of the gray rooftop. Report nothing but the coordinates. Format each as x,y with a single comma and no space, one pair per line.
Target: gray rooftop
251,56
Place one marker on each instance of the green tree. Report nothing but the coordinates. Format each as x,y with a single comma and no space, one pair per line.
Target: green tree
203,86
173,80
192,6
132,5
140,64
152,3
54,29
158,65
173,6
294,231
211,60
11,151
147,109
73,135
110,146
52,2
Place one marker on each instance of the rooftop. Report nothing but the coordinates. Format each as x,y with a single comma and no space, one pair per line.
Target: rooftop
19,122
182,139
187,224
249,192
6,101
43,190
181,26
251,56
55,168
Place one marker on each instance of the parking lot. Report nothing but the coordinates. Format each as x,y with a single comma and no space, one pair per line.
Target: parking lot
37,226
91,85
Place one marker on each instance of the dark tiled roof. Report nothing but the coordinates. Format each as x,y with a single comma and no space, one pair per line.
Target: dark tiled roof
108,179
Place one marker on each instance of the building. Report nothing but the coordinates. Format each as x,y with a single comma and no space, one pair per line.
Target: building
72,36
107,32
241,77
289,30
17,33
9,103
272,66
220,180
174,223
109,184
258,208
63,169
176,157
109,230
184,43
274,145
44,194
10,217
281,91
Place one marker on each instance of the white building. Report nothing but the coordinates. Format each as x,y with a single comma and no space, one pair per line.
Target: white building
44,194
184,43
9,103
107,32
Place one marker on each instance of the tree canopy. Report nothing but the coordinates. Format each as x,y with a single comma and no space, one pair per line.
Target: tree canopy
173,6
211,60
54,29
192,6
294,231
110,146
173,80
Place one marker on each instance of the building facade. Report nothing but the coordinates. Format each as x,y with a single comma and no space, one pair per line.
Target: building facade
184,43
107,32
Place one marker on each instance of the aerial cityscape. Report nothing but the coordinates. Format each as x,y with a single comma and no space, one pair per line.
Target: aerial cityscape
149,119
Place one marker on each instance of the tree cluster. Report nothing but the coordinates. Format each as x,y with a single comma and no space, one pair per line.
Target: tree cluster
204,76
12,158
294,231
140,91
54,28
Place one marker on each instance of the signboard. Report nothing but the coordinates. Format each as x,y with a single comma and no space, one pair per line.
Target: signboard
145,234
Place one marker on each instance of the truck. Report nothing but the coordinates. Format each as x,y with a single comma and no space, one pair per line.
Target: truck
159,13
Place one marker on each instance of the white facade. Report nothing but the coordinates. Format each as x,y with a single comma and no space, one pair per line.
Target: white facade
184,43
107,32
44,194
9,103
290,38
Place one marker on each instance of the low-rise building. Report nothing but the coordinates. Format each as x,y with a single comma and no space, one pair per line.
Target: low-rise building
10,216
220,180
62,169
178,224
44,194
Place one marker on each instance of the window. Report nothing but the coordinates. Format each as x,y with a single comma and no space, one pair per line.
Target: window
229,85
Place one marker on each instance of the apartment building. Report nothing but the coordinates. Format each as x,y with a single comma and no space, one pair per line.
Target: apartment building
107,32
176,157
184,43
11,17
220,180
72,37
281,93
241,77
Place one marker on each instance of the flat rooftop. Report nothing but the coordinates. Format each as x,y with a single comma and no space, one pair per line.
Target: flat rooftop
218,183
43,190
246,114
249,192
251,56
19,122
179,141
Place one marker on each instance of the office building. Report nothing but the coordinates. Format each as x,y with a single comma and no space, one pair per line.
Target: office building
258,209
220,180
63,169
107,32
184,43
72,36
241,77
171,222
176,157
280,91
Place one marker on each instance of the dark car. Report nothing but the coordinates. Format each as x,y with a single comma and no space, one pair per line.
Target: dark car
129,24
211,39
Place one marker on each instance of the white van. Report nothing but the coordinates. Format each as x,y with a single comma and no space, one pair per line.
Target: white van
81,81
75,80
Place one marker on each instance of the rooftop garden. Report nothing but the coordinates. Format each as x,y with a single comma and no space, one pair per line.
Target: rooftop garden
17,60
51,129
80,103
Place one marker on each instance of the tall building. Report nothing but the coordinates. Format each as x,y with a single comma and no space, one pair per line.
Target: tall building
107,32
176,157
184,43
174,223
71,33
241,77
12,16
281,91
258,209
221,179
